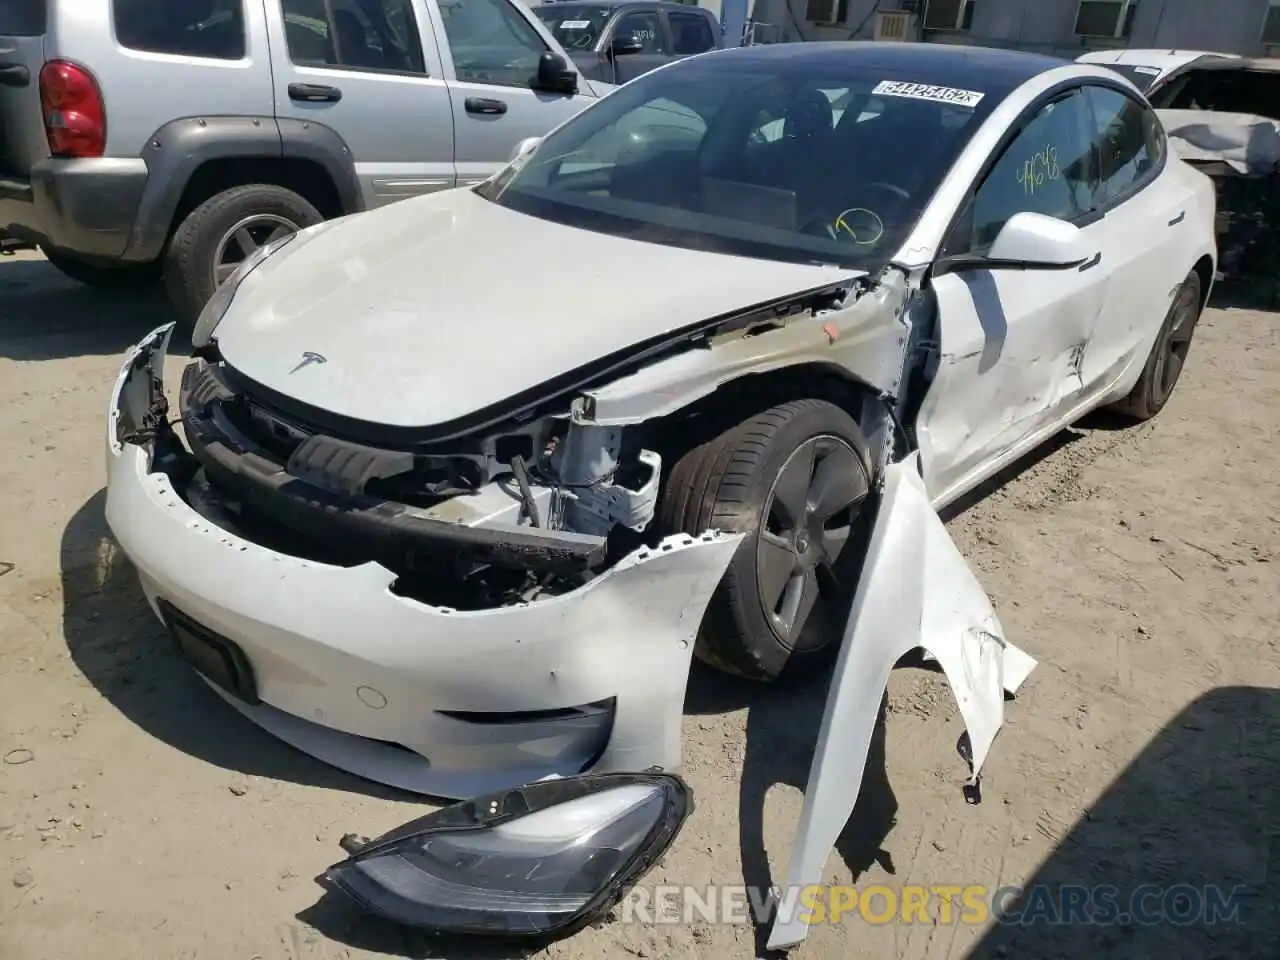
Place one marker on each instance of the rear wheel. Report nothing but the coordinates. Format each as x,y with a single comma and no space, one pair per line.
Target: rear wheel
795,479
1164,365
217,235
103,275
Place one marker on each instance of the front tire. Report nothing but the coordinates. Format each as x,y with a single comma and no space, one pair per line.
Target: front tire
796,480
1168,355
217,235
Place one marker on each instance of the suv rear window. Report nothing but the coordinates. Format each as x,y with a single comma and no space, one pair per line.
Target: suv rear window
189,28
22,18
692,33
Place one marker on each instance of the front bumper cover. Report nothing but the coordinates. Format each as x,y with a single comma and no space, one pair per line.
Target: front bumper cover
438,701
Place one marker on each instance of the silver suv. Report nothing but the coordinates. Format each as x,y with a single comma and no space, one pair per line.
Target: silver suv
174,137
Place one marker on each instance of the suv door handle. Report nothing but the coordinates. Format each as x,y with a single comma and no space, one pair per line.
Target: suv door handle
314,93
14,75
1178,219
1091,262
485,106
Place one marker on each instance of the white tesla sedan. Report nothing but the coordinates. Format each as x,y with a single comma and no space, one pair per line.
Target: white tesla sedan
464,482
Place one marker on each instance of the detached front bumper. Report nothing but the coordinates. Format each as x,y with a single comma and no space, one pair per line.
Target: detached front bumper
443,702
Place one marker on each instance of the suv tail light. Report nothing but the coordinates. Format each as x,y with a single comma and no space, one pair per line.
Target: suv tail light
75,118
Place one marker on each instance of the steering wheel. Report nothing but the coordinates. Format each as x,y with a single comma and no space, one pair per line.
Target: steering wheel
892,188
856,225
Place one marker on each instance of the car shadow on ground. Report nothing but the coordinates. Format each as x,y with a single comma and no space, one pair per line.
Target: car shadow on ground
117,643
47,316
1185,843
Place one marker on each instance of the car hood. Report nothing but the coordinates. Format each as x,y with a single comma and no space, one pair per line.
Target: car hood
431,309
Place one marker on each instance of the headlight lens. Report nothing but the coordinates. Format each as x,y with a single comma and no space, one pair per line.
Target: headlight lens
542,859
216,308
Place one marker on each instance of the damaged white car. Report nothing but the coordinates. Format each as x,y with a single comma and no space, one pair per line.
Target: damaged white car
463,483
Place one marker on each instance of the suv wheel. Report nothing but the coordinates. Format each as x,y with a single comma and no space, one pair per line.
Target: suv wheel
796,480
104,275
217,235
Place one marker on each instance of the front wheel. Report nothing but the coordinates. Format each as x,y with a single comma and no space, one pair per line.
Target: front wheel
796,480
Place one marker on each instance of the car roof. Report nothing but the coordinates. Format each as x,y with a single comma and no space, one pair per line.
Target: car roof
953,65
1163,59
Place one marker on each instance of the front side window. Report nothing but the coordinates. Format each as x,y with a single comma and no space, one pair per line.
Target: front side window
1047,168
376,35
1129,144
643,25
213,29
575,26
690,34
491,42
774,158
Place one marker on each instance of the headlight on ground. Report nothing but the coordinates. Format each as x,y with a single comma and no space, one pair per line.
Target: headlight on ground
544,859
218,304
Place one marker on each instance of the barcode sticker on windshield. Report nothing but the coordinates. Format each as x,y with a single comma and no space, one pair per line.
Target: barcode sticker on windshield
575,25
1148,71
927,91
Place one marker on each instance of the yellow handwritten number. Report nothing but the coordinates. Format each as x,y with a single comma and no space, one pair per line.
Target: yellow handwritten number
1039,168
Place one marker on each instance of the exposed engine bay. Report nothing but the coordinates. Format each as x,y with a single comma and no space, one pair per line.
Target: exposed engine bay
532,504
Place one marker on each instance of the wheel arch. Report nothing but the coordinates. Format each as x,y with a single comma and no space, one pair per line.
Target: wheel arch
745,396
1204,269
194,158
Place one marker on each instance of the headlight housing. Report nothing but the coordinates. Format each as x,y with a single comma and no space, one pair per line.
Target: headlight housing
218,304
540,860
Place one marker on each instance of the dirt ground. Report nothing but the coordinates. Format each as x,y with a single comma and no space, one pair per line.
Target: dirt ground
140,817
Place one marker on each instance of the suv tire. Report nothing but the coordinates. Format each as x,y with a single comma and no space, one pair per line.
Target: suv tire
210,238
741,482
104,275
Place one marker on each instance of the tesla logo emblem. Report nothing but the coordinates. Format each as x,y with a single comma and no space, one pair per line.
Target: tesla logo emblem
308,358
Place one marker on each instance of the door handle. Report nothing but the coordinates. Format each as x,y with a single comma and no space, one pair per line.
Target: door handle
485,106
14,75
1091,262
1178,219
314,93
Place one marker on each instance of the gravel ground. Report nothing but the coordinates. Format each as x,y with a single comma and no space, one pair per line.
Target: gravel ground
140,817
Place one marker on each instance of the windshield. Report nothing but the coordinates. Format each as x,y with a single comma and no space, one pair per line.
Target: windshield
776,159
1140,76
575,26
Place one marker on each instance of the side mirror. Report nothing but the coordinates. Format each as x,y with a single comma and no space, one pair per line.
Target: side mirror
625,43
555,75
527,145
1030,241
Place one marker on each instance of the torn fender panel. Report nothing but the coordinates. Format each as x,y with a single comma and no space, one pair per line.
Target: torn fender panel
866,340
916,591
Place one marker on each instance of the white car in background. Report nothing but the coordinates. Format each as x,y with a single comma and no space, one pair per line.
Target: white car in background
466,481
1146,68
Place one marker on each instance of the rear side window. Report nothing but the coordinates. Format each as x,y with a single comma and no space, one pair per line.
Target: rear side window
1129,144
690,33
22,18
213,29
371,35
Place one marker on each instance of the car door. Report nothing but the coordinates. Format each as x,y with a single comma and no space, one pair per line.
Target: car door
1143,204
1012,339
368,70
645,24
491,50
